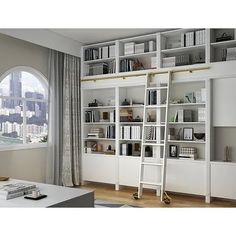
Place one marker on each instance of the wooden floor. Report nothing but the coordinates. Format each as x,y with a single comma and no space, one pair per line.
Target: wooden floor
149,199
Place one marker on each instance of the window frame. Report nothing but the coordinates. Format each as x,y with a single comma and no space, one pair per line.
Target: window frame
44,83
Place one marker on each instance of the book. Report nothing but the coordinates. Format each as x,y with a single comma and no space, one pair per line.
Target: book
9,191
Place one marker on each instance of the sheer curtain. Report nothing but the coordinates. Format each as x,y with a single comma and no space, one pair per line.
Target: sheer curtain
64,120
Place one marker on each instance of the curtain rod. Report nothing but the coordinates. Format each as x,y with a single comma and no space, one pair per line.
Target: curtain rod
150,73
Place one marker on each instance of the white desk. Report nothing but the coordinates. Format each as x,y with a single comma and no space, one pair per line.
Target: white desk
57,196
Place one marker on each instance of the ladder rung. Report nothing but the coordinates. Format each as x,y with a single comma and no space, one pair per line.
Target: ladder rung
153,144
157,88
150,183
152,164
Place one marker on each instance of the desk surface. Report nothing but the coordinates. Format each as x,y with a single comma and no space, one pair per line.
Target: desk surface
57,196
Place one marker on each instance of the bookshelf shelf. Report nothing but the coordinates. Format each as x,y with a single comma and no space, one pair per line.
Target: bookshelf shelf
99,123
187,104
187,123
145,54
183,49
101,139
131,123
224,44
100,60
100,107
156,106
186,141
132,106
131,140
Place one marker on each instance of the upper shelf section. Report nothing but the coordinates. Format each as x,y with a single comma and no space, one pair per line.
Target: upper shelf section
181,47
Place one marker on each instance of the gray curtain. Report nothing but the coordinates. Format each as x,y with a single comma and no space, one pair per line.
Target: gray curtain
64,120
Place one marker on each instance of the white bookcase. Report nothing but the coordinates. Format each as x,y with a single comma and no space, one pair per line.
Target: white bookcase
208,173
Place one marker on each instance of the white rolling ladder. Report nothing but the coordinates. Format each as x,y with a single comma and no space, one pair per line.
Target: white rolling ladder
155,143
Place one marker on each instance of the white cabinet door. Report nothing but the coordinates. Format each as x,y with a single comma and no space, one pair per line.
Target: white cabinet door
186,176
224,97
98,168
223,177
128,171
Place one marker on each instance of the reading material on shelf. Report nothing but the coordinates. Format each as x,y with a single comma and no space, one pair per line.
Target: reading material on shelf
152,97
92,116
99,53
188,153
9,191
231,54
96,133
150,133
136,48
130,132
110,132
201,114
193,38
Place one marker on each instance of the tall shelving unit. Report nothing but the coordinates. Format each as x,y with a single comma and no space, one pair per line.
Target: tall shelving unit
185,176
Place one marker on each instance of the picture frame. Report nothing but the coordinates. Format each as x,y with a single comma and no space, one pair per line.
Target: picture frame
173,150
188,134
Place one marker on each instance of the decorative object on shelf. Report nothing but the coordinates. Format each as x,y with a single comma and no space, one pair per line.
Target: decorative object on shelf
199,136
125,103
198,96
109,150
188,134
136,149
111,102
176,101
188,153
4,178
224,37
99,147
171,135
138,65
137,119
126,115
93,104
189,98
148,151
227,157
105,116
173,151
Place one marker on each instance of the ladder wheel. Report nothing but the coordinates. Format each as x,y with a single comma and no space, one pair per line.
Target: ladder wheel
166,198
135,196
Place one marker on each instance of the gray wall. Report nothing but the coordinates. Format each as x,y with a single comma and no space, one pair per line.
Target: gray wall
28,164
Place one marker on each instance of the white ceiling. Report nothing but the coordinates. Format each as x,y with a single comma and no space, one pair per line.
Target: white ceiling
90,35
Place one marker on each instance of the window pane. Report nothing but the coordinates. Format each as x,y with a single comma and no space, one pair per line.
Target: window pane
36,122
22,84
11,122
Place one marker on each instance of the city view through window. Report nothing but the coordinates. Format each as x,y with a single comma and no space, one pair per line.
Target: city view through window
23,109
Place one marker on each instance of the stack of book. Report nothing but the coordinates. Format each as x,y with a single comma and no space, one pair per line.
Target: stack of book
130,132
193,38
188,153
110,132
99,53
184,116
150,133
182,60
136,48
126,149
152,97
96,133
92,116
97,69
168,62
9,191
231,54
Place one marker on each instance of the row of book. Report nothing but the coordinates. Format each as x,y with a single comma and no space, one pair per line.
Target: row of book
130,132
178,60
182,115
9,191
151,133
130,149
231,54
135,48
152,97
126,65
98,116
99,53
110,132
193,38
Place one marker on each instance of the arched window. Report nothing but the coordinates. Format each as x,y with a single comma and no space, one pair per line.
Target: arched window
23,107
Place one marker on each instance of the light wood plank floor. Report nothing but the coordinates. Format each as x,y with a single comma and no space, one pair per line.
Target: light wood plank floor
149,199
